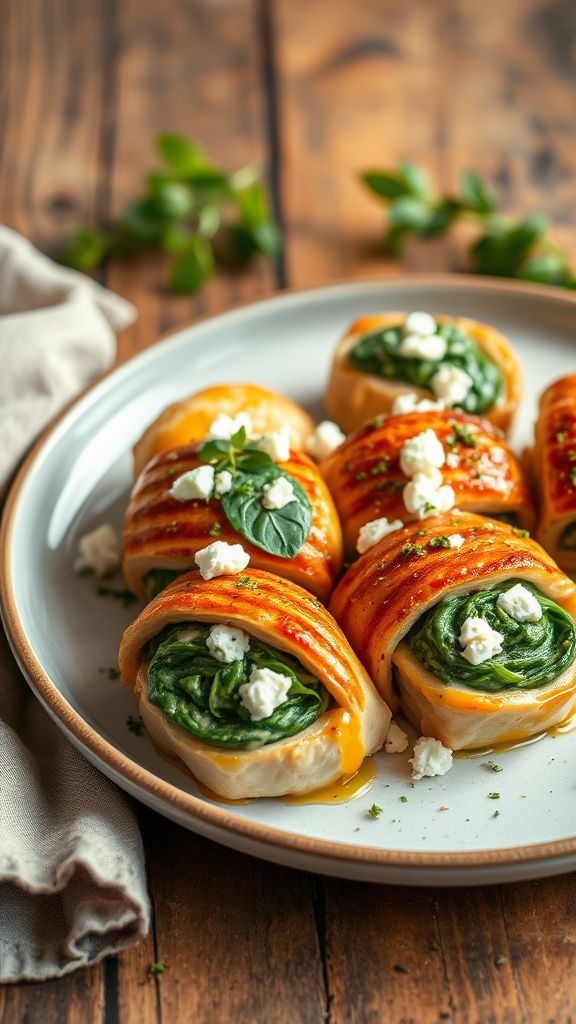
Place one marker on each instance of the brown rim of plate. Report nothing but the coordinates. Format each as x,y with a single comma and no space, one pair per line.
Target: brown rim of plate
218,816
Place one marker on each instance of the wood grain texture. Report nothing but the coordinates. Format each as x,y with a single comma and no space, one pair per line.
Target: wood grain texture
316,92
197,71
450,85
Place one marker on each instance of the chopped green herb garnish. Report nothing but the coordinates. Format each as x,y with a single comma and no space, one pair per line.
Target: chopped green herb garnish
112,673
519,532
377,421
375,811
492,766
573,475
135,725
125,597
172,528
216,529
462,434
439,542
493,796
412,549
380,467
560,437
156,968
403,799
496,814
361,475
245,583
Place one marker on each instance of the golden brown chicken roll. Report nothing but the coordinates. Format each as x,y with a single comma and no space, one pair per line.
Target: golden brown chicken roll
462,363
554,467
251,684
375,474
190,419
468,626
233,491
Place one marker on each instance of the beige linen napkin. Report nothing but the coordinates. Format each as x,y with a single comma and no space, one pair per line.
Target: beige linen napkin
72,878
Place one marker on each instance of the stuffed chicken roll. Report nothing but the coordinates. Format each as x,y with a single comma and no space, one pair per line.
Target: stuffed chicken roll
190,419
251,684
257,493
555,471
397,468
457,362
468,626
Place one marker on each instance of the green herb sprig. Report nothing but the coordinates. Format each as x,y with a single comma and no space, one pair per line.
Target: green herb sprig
504,247
279,531
191,209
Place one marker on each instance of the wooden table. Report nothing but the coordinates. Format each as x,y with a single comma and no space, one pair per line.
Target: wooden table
315,90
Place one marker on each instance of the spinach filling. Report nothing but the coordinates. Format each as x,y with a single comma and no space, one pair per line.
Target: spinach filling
568,537
157,579
533,653
201,694
378,353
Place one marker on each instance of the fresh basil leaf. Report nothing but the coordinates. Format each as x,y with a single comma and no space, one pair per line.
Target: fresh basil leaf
415,180
475,195
176,238
442,216
180,153
547,268
85,250
144,221
385,185
252,460
409,213
280,531
174,201
208,221
191,270
238,440
502,249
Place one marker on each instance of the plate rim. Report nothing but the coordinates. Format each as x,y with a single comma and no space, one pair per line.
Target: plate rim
71,721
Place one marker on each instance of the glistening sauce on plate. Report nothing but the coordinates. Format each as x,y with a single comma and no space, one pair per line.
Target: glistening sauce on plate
347,788
568,725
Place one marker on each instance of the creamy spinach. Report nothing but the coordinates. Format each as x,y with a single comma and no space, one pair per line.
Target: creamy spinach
201,694
157,579
378,353
533,653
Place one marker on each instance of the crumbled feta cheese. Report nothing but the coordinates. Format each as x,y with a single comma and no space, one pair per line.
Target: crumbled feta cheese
415,346
423,497
520,604
196,483
455,540
276,444
409,402
419,323
265,691
227,643
452,460
221,559
431,758
223,427
451,384
421,453
222,483
375,530
396,740
278,493
324,440
479,640
98,551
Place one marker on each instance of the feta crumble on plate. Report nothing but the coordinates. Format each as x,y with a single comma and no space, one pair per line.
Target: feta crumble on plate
431,758
98,551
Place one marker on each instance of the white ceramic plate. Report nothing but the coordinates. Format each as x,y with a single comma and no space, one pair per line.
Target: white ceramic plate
446,832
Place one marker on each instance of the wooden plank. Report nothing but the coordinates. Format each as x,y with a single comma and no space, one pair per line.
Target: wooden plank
50,117
451,86
237,935
76,999
197,72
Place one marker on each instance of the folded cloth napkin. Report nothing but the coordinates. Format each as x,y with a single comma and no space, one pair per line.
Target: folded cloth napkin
72,877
